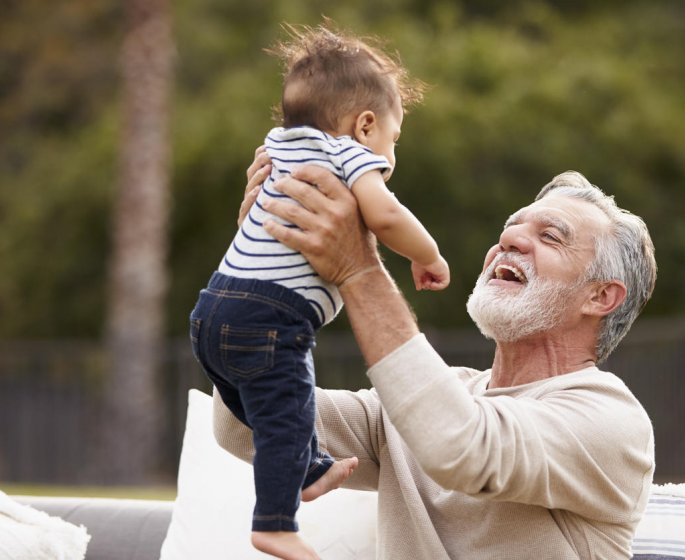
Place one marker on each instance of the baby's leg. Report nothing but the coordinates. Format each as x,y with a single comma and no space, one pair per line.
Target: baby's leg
338,473
286,545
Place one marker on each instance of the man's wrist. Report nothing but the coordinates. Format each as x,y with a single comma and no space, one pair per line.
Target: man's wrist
355,276
373,302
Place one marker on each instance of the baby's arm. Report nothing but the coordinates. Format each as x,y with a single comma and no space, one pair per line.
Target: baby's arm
398,229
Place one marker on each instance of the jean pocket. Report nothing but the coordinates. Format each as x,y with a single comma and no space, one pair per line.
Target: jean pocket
247,352
195,325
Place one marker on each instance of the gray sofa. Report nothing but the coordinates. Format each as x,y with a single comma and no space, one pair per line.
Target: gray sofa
135,529
119,529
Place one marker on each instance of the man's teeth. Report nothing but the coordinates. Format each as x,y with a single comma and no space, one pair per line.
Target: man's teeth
500,273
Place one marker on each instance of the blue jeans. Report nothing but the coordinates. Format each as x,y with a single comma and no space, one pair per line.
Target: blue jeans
254,339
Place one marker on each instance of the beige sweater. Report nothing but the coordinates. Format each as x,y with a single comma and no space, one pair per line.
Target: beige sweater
556,469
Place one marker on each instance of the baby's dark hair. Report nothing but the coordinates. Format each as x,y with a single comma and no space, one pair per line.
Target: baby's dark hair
329,74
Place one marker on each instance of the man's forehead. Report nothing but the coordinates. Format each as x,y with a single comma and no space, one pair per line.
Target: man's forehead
563,212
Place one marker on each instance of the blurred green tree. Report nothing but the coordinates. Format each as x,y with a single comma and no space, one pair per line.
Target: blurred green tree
519,93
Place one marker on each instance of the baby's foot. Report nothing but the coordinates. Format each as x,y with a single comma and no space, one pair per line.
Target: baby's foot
339,472
283,544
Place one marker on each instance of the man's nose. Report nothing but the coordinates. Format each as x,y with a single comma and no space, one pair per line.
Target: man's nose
516,238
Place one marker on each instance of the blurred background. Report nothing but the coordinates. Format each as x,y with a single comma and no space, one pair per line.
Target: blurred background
126,128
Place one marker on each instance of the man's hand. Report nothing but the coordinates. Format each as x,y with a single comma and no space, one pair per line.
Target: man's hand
256,175
332,235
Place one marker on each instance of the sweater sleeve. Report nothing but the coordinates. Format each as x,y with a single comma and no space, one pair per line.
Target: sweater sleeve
587,449
348,424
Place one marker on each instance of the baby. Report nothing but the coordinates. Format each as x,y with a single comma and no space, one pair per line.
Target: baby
253,327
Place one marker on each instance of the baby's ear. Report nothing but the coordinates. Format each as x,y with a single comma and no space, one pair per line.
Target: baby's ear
364,126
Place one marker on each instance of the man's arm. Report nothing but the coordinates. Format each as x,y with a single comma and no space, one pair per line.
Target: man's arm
527,450
379,315
585,445
333,238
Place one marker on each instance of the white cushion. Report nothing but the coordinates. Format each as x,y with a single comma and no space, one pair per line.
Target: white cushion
212,515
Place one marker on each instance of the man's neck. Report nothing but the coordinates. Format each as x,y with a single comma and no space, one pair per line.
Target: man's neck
537,358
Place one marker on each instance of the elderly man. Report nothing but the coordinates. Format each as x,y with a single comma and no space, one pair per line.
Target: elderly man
543,455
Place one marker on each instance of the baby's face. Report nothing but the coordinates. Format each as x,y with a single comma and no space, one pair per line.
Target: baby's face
382,141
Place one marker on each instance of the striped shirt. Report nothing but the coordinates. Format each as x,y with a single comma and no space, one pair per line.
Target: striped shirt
253,253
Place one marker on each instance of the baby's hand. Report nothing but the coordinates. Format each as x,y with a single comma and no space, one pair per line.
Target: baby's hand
435,276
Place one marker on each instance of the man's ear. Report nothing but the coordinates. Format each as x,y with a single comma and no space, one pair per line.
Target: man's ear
604,298
364,126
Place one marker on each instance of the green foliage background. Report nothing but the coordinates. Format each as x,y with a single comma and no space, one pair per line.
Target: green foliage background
520,91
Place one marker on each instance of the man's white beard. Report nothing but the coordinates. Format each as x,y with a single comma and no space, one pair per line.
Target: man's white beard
506,315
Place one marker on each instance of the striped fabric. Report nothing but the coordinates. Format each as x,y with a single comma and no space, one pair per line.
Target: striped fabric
255,254
661,533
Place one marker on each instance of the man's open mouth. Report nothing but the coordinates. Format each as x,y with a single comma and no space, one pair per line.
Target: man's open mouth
509,273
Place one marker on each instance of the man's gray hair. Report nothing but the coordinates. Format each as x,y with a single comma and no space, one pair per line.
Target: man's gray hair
625,253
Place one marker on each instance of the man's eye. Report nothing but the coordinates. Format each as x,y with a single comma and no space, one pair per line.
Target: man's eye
550,236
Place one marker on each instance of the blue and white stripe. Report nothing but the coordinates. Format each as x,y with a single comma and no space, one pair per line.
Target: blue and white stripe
660,534
255,254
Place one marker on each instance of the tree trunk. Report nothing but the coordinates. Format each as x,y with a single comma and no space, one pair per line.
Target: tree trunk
138,272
